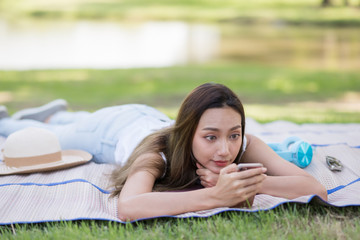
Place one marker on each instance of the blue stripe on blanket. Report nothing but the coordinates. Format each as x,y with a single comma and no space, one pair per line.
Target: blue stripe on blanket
330,191
333,144
56,183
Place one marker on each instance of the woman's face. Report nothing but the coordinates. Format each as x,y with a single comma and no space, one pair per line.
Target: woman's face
217,139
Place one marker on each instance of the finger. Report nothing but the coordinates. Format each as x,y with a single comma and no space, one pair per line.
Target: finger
208,184
201,172
208,179
249,173
246,193
242,184
199,166
253,189
205,184
250,190
254,180
229,169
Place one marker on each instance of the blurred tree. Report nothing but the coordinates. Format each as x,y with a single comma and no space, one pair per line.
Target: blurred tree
326,3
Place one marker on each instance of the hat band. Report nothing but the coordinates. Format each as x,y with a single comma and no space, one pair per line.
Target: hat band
30,161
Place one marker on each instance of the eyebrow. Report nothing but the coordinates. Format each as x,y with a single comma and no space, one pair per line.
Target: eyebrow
216,129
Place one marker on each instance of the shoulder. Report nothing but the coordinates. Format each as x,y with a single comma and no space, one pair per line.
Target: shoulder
149,157
252,139
151,162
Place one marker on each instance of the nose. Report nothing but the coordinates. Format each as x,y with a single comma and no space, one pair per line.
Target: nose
223,149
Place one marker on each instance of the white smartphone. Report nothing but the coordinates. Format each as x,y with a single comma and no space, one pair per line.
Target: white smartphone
245,166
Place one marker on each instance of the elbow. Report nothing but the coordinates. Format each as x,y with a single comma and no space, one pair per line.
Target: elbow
126,212
316,188
322,193
320,190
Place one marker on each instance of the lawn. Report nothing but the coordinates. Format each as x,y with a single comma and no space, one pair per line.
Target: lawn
268,93
285,222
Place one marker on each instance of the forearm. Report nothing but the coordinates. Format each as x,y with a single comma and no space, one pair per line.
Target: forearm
292,187
233,187
165,203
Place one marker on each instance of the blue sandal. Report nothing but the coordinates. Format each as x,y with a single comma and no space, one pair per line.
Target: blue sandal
294,150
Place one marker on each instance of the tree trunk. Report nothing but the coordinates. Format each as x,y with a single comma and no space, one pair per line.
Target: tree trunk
326,3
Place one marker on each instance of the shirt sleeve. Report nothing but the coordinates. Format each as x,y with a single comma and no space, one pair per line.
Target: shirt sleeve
243,147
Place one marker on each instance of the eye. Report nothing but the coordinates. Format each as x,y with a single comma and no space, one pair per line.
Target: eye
234,136
210,138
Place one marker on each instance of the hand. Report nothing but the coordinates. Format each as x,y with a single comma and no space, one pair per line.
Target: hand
207,177
234,187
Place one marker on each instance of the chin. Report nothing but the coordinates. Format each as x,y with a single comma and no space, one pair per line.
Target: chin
215,169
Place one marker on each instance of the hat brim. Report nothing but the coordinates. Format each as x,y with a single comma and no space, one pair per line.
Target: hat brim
70,158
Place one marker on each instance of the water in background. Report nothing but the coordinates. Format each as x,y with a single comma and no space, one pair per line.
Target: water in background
104,45
303,46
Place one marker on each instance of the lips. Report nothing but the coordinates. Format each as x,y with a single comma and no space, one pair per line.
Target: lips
221,163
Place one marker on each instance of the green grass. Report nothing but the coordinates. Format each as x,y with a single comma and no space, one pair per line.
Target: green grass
284,222
268,93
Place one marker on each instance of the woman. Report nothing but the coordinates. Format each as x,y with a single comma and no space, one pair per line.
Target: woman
207,140
204,145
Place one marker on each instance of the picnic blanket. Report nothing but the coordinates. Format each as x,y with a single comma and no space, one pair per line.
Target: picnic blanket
81,193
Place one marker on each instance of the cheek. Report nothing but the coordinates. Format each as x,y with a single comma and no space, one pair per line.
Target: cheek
200,149
235,149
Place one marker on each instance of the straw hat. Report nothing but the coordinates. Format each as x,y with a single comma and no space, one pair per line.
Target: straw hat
37,150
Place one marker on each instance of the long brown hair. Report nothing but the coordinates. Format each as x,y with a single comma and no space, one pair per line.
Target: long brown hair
175,142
